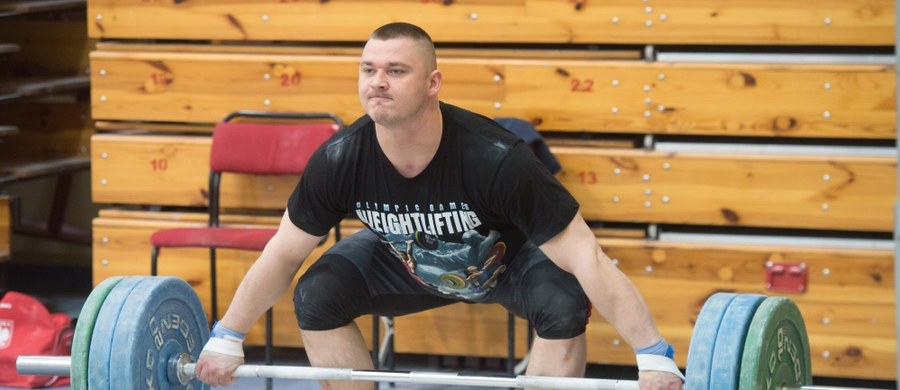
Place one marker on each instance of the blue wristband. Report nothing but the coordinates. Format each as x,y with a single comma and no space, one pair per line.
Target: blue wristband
661,348
220,331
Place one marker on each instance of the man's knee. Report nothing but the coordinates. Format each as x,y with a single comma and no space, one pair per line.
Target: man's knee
329,295
557,307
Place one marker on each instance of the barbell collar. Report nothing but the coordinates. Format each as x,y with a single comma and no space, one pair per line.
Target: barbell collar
44,365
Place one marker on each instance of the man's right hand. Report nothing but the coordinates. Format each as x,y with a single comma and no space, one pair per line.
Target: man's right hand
215,369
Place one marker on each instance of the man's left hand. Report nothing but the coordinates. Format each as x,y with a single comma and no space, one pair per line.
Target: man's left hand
659,380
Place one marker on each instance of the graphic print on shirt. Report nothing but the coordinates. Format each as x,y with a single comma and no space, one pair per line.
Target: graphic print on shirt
439,246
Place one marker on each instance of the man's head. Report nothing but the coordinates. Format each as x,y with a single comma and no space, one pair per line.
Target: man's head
412,32
398,76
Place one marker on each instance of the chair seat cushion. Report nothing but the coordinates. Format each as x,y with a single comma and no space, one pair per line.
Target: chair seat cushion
220,237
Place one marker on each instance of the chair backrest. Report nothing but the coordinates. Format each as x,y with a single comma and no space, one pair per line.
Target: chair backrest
270,148
272,144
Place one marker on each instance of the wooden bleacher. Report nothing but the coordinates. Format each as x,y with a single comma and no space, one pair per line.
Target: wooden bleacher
856,330
738,190
44,113
742,22
558,94
5,228
6,131
26,88
121,246
586,74
13,8
9,48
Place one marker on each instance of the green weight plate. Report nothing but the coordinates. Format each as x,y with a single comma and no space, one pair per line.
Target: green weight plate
725,373
776,352
703,341
101,338
84,328
160,320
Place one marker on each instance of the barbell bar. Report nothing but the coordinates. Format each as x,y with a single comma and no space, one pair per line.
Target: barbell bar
149,330
184,371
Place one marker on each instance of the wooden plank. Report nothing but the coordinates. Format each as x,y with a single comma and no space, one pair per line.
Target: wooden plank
6,131
53,138
19,172
41,86
800,100
9,48
847,306
557,53
10,8
154,127
46,131
5,228
811,192
722,190
759,22
122,247
131,168
46,47
848,309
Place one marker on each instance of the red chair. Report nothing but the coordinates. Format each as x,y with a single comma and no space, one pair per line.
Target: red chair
262,143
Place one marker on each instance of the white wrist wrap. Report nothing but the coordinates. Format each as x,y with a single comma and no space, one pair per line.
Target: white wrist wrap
658,363
225,346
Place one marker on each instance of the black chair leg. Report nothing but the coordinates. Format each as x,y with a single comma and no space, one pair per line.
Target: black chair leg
154,255
214,300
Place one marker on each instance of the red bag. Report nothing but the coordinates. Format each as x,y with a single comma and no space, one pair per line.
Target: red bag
27,328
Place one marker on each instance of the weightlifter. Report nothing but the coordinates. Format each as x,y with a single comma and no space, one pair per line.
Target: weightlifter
457,209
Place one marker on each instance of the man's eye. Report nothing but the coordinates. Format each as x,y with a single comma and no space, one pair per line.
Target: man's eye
396,72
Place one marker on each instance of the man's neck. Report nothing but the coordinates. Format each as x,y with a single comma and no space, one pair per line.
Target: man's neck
410,147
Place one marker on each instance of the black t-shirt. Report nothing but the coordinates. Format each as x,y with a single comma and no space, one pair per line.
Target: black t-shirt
456,224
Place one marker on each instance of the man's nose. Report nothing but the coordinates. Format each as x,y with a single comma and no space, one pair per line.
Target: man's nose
379,80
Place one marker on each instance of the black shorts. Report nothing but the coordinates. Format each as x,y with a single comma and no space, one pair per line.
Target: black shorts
359,275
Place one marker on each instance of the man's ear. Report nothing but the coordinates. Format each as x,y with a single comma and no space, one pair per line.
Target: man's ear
435,81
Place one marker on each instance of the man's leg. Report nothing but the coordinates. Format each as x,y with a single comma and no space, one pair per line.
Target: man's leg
355,277
554,303
343,347
564,357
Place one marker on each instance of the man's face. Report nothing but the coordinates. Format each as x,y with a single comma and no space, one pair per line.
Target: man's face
394,80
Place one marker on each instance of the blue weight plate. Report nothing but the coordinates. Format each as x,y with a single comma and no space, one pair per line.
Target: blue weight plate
725,373
84,329
161,319
104,327
703,341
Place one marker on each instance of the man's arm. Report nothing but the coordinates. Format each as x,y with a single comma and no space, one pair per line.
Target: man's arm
270,276
576,251
266,281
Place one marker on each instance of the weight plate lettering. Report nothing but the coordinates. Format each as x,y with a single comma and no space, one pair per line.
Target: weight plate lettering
161,319
776,352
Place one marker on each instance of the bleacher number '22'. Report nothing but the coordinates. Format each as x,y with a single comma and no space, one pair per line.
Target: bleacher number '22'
578,85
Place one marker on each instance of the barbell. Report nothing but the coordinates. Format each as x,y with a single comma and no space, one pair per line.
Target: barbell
147,332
